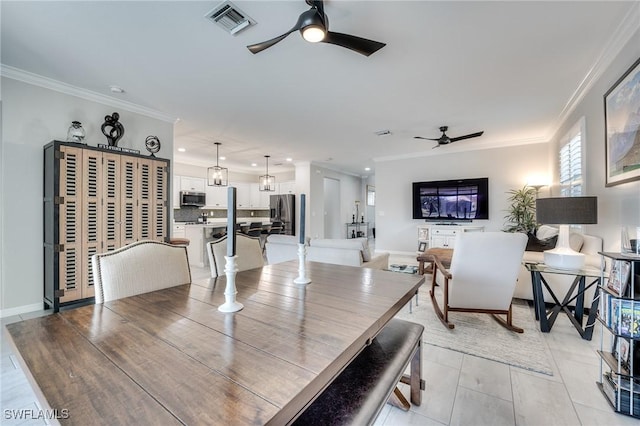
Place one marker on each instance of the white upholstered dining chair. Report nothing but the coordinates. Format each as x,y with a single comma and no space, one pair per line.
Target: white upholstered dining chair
137,268
482,277
248,252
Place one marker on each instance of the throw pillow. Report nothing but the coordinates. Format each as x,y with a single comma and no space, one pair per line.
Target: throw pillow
536,244
575,241
545,232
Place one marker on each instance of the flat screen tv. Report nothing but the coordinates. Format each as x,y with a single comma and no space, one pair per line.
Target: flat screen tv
456,200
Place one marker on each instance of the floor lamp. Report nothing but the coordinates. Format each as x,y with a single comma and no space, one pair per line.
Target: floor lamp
565,211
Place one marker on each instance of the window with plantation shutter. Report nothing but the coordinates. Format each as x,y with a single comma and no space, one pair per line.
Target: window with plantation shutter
571,184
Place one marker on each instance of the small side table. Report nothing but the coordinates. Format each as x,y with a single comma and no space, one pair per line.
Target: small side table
548,317
444,254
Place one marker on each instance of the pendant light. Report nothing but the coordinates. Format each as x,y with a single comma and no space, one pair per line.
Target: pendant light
267,182
216,175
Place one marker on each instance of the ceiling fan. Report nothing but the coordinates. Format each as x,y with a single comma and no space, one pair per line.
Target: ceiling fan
444,139
314,27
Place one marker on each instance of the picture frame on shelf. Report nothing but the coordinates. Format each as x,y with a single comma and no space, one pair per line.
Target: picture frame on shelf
619,276
622,350
622,130
422,246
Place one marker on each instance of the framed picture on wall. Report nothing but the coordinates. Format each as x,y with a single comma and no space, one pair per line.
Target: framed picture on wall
622,128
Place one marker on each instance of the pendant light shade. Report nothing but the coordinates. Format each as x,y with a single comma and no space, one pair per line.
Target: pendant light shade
267,182
216,175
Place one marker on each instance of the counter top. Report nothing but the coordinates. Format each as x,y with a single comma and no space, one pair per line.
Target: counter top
214,223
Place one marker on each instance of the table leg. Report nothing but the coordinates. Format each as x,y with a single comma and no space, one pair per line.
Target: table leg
533,291
580,301
593,312
539,302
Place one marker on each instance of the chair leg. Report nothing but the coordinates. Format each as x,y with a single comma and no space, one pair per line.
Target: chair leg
508,324
397,399
444,317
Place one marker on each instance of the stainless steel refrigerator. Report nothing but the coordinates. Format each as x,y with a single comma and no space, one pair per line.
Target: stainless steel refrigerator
283,208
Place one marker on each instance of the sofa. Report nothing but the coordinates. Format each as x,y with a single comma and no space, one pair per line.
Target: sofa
545,239
350,252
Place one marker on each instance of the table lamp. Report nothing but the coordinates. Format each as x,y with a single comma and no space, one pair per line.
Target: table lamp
565,211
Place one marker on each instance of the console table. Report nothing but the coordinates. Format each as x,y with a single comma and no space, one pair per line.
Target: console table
438,235
548,317
357,230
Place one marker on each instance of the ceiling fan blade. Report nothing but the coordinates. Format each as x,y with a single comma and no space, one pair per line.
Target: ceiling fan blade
259,47
426,139
303,19
357,44
469,136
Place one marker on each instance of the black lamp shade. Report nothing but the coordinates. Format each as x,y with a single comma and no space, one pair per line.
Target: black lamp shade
567,210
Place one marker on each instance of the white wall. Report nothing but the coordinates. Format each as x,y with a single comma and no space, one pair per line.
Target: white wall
32,116
507,168
350,191
617,205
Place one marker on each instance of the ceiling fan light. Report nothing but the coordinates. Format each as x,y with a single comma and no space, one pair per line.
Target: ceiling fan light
313,33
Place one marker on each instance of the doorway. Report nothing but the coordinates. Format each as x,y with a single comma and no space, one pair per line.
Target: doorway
332,222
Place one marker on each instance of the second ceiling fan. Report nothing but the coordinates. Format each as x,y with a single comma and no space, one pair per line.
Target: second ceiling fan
445,140
314,27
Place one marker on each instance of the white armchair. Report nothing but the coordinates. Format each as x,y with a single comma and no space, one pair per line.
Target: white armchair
138,268
482,277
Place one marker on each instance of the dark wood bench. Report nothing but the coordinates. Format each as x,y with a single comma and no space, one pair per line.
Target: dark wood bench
359,393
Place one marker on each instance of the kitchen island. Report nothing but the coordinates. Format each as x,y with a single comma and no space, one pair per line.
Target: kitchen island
200,234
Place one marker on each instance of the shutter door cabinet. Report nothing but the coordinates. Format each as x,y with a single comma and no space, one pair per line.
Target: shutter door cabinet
96,200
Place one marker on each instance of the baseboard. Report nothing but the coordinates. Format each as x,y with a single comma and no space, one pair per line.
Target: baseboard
19,310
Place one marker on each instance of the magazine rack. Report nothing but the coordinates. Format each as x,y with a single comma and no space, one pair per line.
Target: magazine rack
619,314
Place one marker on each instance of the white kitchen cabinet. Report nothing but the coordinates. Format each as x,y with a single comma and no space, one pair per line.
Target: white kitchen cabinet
243,195
287,188
195,249
188,183
216,196
178,230
259,199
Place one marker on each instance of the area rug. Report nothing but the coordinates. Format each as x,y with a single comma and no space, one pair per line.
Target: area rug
480,335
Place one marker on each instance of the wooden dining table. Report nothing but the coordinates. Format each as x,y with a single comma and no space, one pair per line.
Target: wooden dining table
170,357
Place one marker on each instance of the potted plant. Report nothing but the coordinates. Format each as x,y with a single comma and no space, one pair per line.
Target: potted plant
521,214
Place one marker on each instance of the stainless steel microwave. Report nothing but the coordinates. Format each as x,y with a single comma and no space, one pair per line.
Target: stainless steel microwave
192,199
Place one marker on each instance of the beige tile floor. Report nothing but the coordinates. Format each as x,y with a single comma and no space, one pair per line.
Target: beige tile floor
461,389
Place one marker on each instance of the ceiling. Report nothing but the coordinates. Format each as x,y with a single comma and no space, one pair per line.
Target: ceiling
512,69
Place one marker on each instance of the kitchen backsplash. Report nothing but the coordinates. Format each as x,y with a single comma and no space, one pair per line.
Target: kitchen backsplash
191,214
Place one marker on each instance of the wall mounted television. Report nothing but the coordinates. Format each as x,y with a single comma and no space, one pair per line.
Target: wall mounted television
456,200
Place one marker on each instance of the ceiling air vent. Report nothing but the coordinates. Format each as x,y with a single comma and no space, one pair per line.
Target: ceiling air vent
231,19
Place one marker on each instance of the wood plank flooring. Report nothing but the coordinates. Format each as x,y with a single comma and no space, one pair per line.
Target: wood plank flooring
461,389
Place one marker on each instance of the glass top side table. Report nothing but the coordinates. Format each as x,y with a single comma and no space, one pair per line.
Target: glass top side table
547,317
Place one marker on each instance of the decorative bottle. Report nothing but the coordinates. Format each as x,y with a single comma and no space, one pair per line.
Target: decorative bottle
75,132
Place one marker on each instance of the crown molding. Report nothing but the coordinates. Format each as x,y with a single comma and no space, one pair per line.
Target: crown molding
58,86
629,25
